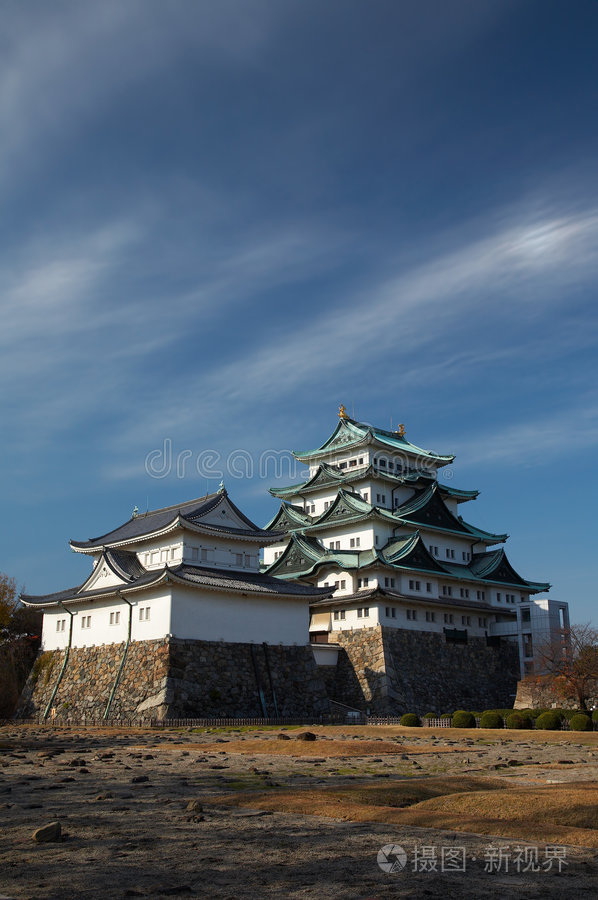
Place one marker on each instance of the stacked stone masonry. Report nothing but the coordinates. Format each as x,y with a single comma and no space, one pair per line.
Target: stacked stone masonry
391,671
173,678
384,670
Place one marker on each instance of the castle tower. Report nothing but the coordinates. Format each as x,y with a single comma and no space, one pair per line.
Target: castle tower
374,521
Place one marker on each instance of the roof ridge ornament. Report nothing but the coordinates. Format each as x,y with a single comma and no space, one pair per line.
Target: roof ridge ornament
342,412
401,430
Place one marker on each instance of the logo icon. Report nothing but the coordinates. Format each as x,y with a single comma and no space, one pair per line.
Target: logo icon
392,858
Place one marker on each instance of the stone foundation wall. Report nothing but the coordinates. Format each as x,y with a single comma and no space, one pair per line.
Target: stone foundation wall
177,679
391,671
544,693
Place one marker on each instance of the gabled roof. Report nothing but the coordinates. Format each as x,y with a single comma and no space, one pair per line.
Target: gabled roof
350,433
327,476
410,552
428,509
288,518
349,507
496,567
303,555
425,510
189,515
195,576
121,563
78,594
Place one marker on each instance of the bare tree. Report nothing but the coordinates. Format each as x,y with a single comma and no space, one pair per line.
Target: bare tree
20,627
571,662
8,599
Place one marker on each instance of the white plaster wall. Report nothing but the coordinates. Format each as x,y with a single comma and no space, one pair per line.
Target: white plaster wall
270,552
219,616
325,654
423,580
101,631
221,552
378,616
330,579
352,621
444,542
150,553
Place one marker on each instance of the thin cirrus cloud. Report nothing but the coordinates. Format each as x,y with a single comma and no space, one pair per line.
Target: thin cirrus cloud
415,308
541,438
84,319
62,63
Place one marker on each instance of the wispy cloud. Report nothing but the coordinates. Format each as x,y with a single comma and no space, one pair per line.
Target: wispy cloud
527,266
535,441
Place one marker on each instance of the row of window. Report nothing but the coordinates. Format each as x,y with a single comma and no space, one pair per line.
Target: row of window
152,558
449,553
351,463
362,613
412,616
144,616
417,586
448,618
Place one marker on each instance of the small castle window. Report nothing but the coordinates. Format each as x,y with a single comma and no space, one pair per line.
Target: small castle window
114,618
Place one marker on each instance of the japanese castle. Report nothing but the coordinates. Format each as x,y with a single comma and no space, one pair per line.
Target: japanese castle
189,571
374,521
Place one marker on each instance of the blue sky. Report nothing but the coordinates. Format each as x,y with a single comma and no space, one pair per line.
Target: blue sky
221,220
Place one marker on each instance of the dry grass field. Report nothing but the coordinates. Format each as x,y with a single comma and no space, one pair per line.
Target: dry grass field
237,813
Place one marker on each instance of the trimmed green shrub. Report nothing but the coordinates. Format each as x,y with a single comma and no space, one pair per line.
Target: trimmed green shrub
580,722
410,719
518,720
491,719
446,715
431,716
549,721
595,716
463,719
532,713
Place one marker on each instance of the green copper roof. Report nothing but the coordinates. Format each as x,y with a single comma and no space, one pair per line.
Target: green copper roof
349,433
288,518
327,475
428,509
304,555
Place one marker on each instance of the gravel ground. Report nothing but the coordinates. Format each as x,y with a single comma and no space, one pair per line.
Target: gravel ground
144,814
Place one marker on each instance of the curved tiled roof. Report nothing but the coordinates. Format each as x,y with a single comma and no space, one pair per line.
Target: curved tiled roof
189,513
350,433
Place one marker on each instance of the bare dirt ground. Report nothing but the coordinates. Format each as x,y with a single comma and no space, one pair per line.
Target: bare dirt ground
237,814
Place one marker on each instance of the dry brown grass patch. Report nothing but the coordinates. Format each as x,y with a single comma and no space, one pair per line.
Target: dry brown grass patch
334,748
563,814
